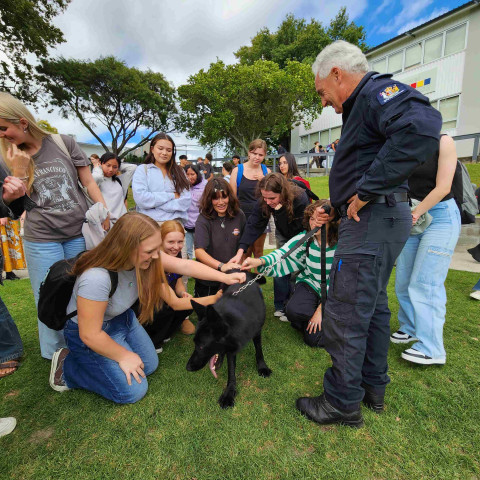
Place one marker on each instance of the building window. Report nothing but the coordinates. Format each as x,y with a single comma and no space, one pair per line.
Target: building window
380,66
433,48
395,62
304,144
335,133
324,138
413,56
448,107
455,40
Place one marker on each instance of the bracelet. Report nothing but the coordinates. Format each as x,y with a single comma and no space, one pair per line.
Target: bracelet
220,265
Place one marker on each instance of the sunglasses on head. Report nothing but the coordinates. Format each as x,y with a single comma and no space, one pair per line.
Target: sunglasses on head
220,193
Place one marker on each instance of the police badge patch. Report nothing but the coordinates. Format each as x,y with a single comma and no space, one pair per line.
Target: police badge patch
390,92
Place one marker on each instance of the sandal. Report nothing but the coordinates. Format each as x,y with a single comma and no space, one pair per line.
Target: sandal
12,364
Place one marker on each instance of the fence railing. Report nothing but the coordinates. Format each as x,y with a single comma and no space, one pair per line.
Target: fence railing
476,140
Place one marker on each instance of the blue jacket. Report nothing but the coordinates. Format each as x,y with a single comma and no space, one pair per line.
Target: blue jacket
388,130
154,195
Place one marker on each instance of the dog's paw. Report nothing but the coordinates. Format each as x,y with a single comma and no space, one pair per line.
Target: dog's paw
226,400
264,371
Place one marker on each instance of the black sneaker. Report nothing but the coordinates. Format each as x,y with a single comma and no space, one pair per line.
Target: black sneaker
11,276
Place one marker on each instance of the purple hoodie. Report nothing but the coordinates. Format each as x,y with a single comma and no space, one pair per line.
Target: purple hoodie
193,210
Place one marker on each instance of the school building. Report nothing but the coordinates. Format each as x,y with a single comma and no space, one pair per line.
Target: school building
441,58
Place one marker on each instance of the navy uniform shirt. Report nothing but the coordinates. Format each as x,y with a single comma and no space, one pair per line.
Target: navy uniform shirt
388,130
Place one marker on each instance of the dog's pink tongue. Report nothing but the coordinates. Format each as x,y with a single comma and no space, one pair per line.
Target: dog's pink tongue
211,364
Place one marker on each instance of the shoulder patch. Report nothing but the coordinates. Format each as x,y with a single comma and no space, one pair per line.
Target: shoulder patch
390,92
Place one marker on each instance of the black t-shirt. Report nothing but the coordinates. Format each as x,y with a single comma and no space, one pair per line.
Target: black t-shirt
219,242
424,179
206,170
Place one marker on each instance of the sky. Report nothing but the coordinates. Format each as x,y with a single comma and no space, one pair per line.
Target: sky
180,37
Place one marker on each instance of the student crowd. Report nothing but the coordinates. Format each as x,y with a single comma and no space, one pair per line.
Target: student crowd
130,294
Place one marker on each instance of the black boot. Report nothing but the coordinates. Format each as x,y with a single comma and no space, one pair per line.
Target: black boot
374,401
321,411
11,276
475,252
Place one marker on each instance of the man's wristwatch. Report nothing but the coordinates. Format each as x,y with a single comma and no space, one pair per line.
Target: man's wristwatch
220,265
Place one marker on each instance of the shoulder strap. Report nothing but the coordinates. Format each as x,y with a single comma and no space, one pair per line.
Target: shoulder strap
60,143
239,174
264,169
116,179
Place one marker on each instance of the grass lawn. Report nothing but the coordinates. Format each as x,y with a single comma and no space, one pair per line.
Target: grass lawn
430,429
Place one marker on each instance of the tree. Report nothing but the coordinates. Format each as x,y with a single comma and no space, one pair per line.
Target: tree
26,28
238,103
298,40
46,126
126,101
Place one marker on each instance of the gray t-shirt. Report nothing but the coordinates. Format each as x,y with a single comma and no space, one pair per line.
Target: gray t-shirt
61,205
95,284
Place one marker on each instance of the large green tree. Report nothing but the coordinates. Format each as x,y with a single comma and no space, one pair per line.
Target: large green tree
107,94
26,28
234,104
295,39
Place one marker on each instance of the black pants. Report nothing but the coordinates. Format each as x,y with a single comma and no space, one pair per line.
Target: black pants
356,326
204,290
165,324
300,309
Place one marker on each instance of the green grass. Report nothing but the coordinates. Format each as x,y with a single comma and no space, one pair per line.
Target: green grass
430,429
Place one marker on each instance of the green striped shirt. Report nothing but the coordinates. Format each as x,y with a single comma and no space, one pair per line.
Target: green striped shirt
308,268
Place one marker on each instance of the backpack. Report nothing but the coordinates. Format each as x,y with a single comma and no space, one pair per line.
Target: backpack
240,172
56,291
310,194
464,194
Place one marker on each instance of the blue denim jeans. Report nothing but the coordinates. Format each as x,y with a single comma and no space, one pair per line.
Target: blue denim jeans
86,369
40,257
422,268
189,240
11,346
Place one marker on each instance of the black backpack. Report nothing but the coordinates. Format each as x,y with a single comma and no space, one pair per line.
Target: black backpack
56,291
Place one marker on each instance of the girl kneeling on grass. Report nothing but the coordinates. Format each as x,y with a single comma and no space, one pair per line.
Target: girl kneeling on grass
304,309
107,346
167,320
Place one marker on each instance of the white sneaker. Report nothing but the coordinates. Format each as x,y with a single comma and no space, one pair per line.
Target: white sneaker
279,313
401,337
415,356
283,318
7,425
167,340
475,294
57,382
159,350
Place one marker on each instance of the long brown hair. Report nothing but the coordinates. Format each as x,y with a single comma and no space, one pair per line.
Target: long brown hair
213,190
277,183
292,165
332,232
175,172
115,253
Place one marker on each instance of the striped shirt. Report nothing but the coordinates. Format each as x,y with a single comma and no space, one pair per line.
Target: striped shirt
308,268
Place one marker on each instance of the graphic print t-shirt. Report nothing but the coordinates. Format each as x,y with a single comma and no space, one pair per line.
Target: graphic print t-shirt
61,205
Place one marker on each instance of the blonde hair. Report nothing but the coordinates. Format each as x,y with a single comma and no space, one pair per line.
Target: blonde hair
115,252
171,226
13,110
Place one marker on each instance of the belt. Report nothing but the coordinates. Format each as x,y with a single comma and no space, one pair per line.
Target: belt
399,198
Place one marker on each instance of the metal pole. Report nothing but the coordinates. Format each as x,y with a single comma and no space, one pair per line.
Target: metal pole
475,149
308,167
274,163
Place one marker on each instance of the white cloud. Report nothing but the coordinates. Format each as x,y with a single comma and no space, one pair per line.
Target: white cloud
419,21
174,37
408,13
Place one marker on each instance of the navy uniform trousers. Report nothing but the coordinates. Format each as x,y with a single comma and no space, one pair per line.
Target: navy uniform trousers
356,326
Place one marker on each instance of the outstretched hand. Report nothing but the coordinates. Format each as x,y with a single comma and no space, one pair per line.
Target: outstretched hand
250,262
232,278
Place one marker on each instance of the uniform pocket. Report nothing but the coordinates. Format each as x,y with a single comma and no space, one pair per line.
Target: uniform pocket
345,281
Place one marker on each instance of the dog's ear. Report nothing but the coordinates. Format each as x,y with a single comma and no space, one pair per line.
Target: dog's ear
199,309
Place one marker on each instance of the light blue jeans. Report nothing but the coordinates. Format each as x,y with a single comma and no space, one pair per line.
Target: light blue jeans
84,368
189,240
40,257
422,268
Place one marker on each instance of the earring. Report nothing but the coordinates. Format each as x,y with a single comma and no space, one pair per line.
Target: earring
24,130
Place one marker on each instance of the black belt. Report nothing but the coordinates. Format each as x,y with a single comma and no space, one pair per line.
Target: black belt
399,198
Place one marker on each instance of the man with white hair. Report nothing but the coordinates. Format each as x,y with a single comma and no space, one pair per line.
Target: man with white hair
388,130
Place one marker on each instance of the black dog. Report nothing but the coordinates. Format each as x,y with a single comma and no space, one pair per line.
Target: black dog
225,328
